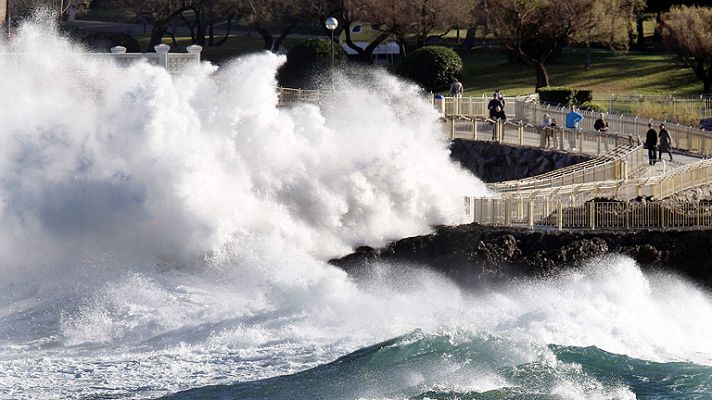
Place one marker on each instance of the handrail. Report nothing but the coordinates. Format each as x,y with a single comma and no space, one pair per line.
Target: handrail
614,165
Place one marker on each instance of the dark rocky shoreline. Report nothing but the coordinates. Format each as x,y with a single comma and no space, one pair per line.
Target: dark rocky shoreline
477,254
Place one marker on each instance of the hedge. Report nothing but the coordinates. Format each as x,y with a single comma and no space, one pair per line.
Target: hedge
564,95
432,67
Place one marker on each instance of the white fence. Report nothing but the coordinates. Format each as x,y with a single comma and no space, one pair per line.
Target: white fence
531,113
683,137
618,164
594,215
525,134
528,206
173,62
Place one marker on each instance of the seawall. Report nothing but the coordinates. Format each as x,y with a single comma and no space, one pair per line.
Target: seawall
493,162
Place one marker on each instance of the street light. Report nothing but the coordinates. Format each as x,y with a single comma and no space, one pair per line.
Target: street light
331,24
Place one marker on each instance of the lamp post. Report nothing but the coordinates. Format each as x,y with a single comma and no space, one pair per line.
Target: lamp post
331,24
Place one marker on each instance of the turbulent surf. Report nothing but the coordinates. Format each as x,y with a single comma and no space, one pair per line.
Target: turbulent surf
168,235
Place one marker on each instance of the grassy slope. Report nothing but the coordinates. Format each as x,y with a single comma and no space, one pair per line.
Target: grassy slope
487,69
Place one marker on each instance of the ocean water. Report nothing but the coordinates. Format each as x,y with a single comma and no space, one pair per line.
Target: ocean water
168,236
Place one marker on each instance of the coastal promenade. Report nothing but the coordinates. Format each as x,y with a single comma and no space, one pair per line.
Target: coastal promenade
616,190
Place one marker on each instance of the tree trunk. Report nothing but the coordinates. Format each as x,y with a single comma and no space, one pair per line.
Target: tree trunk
587,65
469,38
227,33
707,86
266,36
157,32
211,26
542,77
199,27
640,44
282,36
658,27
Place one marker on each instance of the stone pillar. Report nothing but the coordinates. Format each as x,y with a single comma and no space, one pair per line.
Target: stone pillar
4,16
162,51
194,49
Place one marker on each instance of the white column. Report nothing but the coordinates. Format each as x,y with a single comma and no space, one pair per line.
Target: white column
162,51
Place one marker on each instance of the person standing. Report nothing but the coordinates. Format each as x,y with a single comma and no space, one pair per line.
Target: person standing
665,142
493,105
601,125
651,142
456,88
546,130
573,118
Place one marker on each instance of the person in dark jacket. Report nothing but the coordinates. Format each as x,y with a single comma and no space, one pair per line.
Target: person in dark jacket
601,125
665,142
651,143
493,105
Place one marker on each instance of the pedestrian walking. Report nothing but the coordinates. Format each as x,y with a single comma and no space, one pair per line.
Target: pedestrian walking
651,142
665,142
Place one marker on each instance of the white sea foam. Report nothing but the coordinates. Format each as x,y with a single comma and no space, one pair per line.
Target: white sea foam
163,232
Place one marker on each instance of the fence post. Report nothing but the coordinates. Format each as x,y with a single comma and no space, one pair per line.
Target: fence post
592,214
561,216
520,132
162,51
474,129
530,219
451,121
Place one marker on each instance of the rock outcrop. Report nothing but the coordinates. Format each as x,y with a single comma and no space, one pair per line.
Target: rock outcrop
474,254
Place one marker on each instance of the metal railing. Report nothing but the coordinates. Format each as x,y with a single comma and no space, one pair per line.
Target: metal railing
594,215
288,97
618,164
524,207
700,106
525,134
685,138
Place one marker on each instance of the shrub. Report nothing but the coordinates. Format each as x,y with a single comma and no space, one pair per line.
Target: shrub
432,67
308,61
593,106
583,96
564,95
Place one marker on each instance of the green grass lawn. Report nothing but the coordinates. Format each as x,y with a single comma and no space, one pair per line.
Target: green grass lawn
487,68
646,73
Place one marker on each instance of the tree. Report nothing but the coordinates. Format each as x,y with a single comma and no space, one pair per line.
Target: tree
687,33
534,30
163,14
159,13
20,9
282,16
609,23
431,16
308,62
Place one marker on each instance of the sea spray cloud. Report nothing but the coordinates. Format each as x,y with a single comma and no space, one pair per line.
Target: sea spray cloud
136,164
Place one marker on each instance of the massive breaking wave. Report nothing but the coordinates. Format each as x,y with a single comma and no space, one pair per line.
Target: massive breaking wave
165,232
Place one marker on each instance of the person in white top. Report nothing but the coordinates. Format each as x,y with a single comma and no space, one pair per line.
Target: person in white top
456,88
